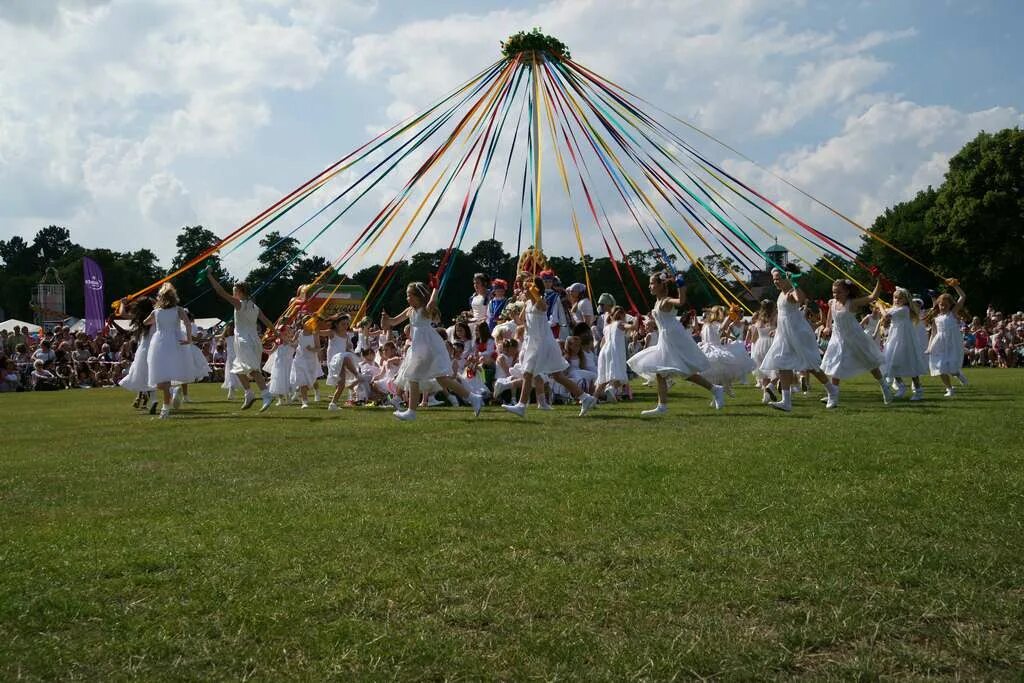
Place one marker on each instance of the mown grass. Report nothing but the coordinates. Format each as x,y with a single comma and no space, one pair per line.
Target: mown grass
866,542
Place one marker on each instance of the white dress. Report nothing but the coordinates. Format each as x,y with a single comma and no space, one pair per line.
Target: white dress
759,349
583,373
428,357
675,352
611,361
904,354
306,364
338,349
200,366
728,365
946,349
793,346
231,380
540,354
137,378
851,351
248,347
279,365
167,359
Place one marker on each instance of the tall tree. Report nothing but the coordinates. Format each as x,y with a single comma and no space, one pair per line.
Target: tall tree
977,222
192,241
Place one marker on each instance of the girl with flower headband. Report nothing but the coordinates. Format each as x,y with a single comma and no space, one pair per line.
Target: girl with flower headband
729,364
851,349
794,348
540,355
946,348
428,358
759,336
342,361
306,368
248,346
611,360
167,359
279,364
676,353
903,352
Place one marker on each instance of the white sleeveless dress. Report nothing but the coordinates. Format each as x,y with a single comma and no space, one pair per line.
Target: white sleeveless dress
611,361
279,365
759,349
137,378
200,366
306,364
540,354
428,356
168,360
338,349
727,366
793,347
248,347
851,351
946,349
904,354
675,352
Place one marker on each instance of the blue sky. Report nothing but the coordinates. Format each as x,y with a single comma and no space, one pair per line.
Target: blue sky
133,117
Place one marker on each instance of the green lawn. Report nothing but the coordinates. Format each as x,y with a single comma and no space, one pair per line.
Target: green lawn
864,542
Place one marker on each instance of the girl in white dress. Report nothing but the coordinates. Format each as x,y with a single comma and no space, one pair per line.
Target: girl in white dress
582,368
428,358
946,348
759,336
342,361
167,359
508,374
794,348
851,350
230,379
279,364
675,353
728,365
306,363
903,351
611,360
201,367
247,364
137,379
540,355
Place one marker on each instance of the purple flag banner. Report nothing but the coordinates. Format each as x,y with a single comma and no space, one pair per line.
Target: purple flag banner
94,306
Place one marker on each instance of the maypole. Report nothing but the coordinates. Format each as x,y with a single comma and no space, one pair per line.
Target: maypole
535,125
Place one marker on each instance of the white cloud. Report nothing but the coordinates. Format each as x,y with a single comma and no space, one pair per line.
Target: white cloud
164,200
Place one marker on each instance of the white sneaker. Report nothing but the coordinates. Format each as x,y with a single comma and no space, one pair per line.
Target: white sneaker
316,396
476,401
454,400
917,395
248,399
765,398
901,391
887,394
305,404
719,396
833,397
949,393
516,409
165,413
433,402
781,405
657,410
333,407
544,406
176,398
586,403
268,400
406,415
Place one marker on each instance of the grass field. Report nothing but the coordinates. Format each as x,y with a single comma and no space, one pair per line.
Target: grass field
864,542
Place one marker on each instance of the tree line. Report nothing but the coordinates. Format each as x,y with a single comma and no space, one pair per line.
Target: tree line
970,227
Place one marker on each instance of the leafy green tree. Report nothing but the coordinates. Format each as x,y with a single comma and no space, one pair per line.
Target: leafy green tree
977,222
